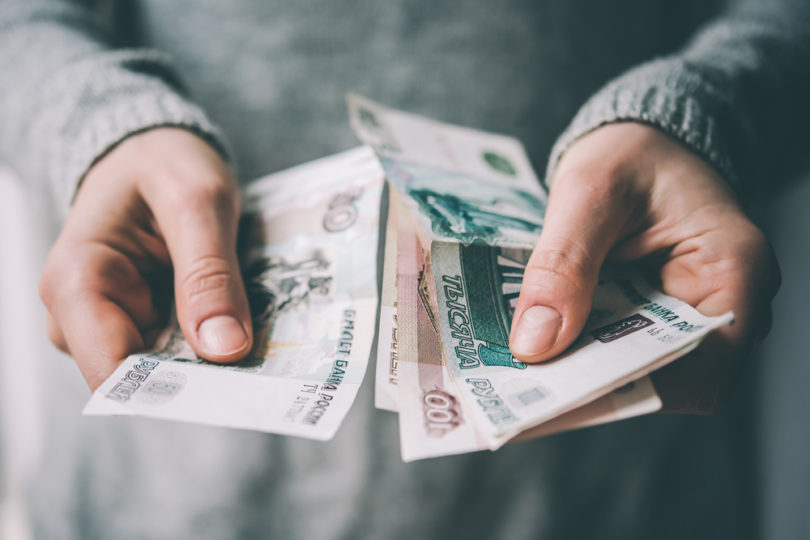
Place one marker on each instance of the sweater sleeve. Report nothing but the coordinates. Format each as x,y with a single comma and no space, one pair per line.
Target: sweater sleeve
737,94
67,97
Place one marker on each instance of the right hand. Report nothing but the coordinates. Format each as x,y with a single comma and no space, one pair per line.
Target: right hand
628,192
160,204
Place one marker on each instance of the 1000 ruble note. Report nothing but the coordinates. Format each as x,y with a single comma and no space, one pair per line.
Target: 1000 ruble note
632,330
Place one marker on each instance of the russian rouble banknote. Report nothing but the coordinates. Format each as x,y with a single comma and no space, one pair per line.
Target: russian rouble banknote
309,265
432,418
467,209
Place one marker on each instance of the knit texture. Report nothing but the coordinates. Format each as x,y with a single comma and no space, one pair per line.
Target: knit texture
736,94
667,95
77,99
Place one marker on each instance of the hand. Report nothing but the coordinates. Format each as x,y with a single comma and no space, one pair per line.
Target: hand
160,204
628,192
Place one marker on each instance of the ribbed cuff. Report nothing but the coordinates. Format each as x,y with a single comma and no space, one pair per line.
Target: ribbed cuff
671,96
124,99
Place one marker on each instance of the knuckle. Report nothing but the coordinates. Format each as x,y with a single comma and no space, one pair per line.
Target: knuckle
752,243
62,274
608,196
206,191
81,275
742,253
206,275
752,253
594,184
217,193
557,269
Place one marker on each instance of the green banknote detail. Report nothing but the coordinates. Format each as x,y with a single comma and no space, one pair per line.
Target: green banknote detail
499,163
462,211
479,301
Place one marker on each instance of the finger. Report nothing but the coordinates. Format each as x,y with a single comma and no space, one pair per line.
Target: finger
55,334
199,224
734,272
95,300
585,217
98,333
699,382
745,284
94,266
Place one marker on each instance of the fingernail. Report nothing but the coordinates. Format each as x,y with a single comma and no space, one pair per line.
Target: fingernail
222,335
536,331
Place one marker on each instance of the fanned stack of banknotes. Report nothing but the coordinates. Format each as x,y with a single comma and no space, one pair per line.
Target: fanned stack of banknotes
464,211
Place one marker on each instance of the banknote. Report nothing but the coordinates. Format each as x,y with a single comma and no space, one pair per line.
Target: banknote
387,367
632,330
310,237
410,264
462,185
480,210
432,421
636,398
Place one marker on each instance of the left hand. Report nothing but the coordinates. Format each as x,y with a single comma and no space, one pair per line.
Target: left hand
161,206
629,192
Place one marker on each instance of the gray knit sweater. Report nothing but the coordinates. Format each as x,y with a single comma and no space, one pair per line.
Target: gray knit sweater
263,81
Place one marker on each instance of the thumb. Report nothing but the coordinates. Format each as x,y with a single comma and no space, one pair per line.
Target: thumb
586,216
199,222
